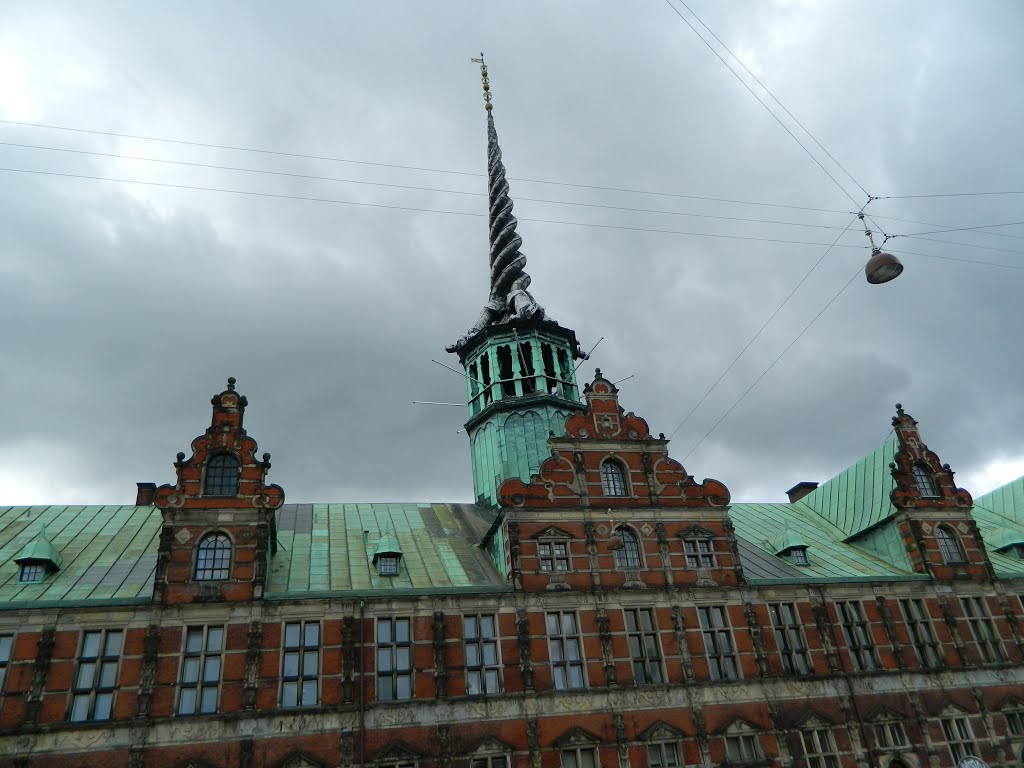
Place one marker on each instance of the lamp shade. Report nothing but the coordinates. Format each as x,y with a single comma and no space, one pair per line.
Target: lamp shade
882,267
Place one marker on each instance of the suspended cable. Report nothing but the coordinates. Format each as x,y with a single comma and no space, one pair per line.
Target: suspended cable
279,153
773,364
761,329
960,229
956,258
950,194
314,177
933,224
762,103
775,99
962,245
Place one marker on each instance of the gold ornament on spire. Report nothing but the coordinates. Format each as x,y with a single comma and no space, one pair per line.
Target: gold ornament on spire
484,80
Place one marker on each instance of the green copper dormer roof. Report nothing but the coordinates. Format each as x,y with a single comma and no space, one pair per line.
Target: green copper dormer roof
40,550
858,497
387,545
787,540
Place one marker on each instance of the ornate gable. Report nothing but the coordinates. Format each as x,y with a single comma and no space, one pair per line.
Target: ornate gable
224,437
737,725
696,532
575,736
922,481
661,731
551,532
299,760
604,432
489,746
397,751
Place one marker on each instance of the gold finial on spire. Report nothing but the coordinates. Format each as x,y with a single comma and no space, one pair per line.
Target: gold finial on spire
483,78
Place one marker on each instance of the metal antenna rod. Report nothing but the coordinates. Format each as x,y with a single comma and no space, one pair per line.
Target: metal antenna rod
587,356
461,373
625,379
434,402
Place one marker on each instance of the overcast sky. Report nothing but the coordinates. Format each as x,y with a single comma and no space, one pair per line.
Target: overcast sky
125,307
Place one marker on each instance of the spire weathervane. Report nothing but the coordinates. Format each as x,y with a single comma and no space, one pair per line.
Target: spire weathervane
509,298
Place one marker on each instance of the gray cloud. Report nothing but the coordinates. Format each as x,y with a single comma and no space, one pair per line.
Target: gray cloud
126,307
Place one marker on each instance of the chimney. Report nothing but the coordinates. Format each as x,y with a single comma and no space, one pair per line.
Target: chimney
800,490
146,495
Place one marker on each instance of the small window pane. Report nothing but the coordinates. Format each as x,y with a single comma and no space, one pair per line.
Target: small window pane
190,670
291,635
401,630
289,694
104,703
312,634
214,639
209,700
113,645
108,675
309,697
211,670
404,688
194,641
91,644
79,708
86,675
310,664
187,704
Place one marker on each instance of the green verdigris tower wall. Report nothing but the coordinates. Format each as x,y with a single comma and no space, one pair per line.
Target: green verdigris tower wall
520,387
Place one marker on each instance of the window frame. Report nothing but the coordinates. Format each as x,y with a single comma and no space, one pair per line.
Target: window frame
978,618
949,545
825,755
496,760
25,570
630,557
97,690
302,651
393,646
480,642
965,744
220,476
548,554
203,656
799,556
889,733
388,565
6,651
790,639
662,747
640,642
610,479
699,552
215,554
927,483
577,753
563,661
1014,717
742,745
720,659
851,617
922,636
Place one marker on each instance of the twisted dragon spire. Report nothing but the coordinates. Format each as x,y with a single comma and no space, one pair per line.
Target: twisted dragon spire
509,298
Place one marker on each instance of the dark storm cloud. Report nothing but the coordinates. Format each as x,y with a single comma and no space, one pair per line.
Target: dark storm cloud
126,307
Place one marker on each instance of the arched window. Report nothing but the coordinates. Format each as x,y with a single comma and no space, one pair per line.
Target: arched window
213,557
221,476
629,555
948,545
613,479
925,481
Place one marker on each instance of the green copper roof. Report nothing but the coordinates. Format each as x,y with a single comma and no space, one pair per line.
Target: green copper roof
858,497
764,525
108,552
1000,518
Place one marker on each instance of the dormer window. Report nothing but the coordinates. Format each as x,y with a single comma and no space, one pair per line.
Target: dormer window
925,480
387,555
30,573
221,476
387,565
799,555
613,479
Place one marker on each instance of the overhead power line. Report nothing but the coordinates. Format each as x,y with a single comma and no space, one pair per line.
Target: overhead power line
412,187
760,330
950,194
760,101
279,153
767,370
356,203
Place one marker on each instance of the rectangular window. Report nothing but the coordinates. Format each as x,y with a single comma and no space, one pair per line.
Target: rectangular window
718,643
741,748
819,748
566,649
92,694
491,761
200,670
790,638
983,629
394,659
958,736
919,625
890,734
300,664
6,643
30,573
698,553
858,636
642,637
1015,722
581,757
554,555
483,670
663,754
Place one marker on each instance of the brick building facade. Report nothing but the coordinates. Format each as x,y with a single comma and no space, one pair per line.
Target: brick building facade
597,605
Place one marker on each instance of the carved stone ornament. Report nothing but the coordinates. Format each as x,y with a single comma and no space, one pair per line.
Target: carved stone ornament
914,465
